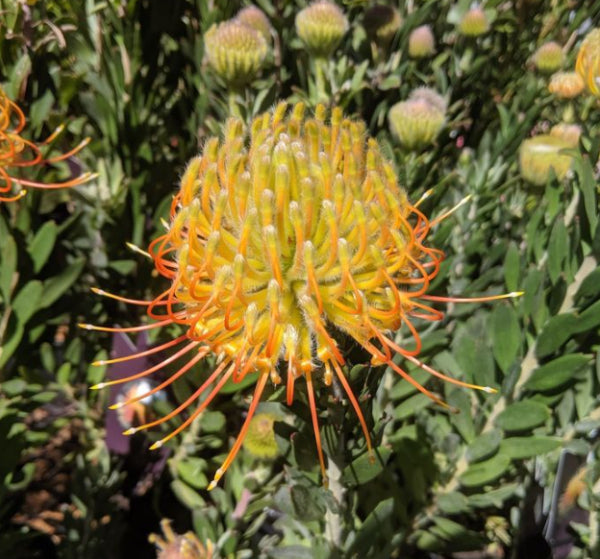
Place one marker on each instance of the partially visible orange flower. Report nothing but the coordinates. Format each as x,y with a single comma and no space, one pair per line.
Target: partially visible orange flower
16,153
588,61
566,85
282,237
175,546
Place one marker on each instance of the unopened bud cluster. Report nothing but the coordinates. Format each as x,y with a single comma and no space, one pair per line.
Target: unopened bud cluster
236,49
321,26
541,154
417,121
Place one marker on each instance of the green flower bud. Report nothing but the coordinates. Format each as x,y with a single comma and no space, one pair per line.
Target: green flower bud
421,42
321,26
541,153
254,17
431,96
235,51
474,23
260,438
416,122
549,57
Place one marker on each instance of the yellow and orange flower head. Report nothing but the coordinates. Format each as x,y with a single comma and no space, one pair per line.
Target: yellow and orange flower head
280,237
566,85
17,153
588,61
170,545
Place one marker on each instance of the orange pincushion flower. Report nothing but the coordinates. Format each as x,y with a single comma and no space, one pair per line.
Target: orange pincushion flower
276,242
16,152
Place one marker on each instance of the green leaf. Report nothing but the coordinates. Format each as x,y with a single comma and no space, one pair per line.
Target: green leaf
512,268
453,503
379,517
522,416
557,372
27,300
191,471
363,470
558,248
506,335
188,496
484,446
588,189
556,332
42,244
493,498
485,472
57,285
519,448
411,406
8,268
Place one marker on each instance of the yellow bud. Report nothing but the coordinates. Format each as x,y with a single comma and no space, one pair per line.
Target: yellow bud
539,154
321,27
549,57
421,42
474,23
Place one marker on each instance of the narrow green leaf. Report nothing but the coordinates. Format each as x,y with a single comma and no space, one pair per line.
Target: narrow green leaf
362,470
558,248
556,332
522,416
186,495
484,446
512,268
588,189
506,334
557,372
8,267
485,472
57,285
519,448
27,300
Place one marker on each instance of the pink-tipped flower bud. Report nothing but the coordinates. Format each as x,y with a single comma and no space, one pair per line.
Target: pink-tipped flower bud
235,51
254,17
570,133
549,57
416,123
421,42
321,27
474,23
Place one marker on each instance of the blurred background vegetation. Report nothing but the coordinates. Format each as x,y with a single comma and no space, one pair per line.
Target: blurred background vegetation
512,475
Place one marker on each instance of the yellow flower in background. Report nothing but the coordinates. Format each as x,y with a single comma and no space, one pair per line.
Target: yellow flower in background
17,153
283,237
566,85
540,154
260,438
588,62
321,26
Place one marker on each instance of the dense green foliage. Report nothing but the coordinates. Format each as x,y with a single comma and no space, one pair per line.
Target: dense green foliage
132,75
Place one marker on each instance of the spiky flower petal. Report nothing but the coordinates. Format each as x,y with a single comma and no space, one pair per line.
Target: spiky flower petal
421,42
174,546
321,26
282,238
235,51
588,61
17,153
